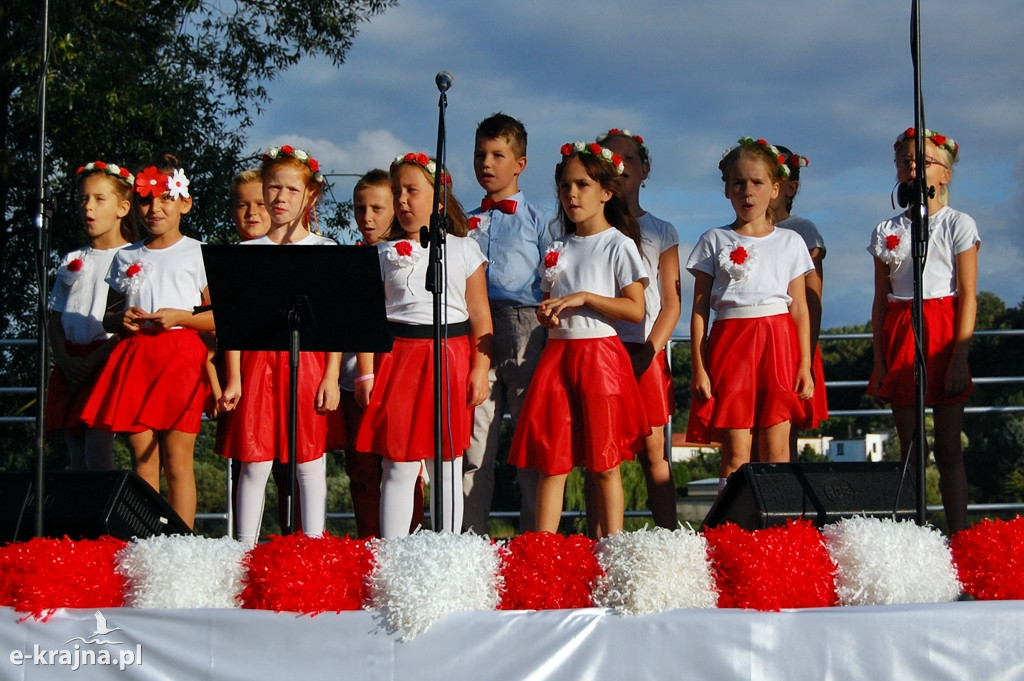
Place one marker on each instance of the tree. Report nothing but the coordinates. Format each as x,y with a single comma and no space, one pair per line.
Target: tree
127,79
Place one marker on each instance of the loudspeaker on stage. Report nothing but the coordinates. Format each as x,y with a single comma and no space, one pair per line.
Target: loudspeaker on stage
85,505
764,494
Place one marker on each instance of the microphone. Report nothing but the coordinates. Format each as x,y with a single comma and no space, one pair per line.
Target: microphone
444,80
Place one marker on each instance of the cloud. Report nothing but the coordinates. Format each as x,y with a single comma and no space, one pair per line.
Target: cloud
831,80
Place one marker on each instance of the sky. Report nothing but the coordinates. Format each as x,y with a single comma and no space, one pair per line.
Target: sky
833,81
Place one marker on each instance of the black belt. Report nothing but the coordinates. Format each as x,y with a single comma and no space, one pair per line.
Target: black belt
424,331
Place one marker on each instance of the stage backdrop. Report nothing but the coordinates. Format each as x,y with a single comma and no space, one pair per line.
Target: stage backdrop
946,642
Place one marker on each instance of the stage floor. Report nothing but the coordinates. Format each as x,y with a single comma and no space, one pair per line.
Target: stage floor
968,641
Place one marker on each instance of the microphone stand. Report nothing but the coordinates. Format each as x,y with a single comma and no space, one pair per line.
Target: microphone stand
45,207
919,194
434,238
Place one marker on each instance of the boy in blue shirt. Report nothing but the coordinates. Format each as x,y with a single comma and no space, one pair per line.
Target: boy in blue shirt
514,236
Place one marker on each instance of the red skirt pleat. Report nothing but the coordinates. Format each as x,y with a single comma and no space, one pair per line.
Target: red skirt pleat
899,386
399,421
752,363
257,430
63,408
583,408
151,382
655,387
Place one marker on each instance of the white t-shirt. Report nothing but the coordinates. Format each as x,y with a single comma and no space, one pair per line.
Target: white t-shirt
602,263
172,277
80,293
657,236
761,278
950,233
405,279
807,230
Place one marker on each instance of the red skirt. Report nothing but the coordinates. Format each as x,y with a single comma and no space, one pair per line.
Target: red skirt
899,386
64,409
655,383
399,421
816,408
257,430
583,408
752,363
152,381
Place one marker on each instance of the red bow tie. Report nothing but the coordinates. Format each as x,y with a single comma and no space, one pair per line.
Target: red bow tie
507,206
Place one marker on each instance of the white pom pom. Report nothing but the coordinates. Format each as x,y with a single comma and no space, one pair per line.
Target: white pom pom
419,578
653,571
182,572
883,562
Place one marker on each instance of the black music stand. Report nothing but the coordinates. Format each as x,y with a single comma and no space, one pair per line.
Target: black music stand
305,299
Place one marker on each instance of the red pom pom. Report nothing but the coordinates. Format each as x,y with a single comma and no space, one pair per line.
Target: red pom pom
773,568
41,575
989,558
545,571
305,574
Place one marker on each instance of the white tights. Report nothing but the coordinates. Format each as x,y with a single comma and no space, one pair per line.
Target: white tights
311,480
398,483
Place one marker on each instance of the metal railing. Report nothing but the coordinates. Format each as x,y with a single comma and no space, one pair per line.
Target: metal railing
830,385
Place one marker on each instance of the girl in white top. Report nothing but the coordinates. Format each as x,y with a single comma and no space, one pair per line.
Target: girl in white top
751,373
397,387
815,409
583,406
77,304
258,388
155,383
645,341
949,308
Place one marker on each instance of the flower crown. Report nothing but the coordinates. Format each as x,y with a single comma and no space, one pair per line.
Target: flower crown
780,159
423,161
299,155
645,154
111,169
796,161
594,149
153,182
938,139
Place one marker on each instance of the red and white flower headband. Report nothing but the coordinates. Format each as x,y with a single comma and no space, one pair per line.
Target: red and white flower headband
938,139
645,154
594,149
153,182
111,169
796,161
780,159
422,160
299,155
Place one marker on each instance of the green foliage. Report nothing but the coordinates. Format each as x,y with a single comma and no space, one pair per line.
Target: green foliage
125,81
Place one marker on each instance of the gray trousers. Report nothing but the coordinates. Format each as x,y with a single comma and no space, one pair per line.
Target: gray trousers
518,342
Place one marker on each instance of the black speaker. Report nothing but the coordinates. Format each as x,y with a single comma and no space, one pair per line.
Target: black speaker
763,494
85,505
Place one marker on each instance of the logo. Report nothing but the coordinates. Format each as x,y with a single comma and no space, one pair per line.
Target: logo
97,649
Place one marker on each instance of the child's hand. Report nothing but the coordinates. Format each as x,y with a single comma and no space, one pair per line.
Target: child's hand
804,384
363,390
552,307
328,396
642,359
875,383
477,387
958,377
165,318
77,371
230,397
700,385
132,319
